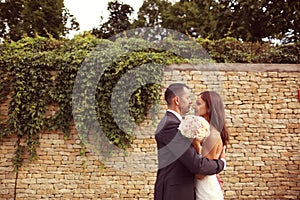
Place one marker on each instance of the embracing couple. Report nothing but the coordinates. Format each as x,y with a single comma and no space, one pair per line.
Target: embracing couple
186,169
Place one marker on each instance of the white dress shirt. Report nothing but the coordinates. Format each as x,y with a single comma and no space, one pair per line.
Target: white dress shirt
175,113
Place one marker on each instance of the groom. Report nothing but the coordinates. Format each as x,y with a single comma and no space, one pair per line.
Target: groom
178,161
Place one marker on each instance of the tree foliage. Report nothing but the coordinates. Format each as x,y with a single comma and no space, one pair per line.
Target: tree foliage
118,20
248,20
194,18
10,19
31,18
257,19
151,13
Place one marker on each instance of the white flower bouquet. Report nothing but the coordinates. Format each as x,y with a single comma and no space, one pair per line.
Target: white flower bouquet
194,127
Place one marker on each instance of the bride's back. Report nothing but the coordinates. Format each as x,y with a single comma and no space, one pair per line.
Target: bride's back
212,146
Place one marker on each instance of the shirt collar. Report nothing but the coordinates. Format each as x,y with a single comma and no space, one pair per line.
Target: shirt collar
175,113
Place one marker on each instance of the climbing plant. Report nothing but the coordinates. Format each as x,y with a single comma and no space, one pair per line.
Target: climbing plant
28,81
38,74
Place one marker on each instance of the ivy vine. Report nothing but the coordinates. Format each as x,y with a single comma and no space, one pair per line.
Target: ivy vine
27,79
37,74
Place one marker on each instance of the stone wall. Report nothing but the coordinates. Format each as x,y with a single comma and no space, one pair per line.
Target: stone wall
263,116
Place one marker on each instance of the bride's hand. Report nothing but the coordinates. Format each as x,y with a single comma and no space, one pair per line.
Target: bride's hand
199,176
197,145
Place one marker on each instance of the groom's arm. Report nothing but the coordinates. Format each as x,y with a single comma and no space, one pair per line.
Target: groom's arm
182,149
201,165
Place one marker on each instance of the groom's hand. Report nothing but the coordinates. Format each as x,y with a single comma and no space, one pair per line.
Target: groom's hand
223,157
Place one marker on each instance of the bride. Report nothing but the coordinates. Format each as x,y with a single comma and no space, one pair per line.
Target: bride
209,105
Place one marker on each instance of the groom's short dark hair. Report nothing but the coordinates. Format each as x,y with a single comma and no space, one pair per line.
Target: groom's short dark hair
175,89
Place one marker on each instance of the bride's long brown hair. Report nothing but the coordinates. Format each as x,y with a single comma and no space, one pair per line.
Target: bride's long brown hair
216,113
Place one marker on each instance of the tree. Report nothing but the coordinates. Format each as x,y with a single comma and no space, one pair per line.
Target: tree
30,17
151,13
118,20
10,19
253,20
285,19
182,16
248,20
191,17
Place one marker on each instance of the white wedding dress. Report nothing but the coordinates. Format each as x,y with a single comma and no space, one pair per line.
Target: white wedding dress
208,188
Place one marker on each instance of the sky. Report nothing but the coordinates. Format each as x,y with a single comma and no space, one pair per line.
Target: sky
88,12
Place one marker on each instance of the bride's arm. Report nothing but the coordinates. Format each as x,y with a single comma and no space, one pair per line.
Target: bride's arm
197,145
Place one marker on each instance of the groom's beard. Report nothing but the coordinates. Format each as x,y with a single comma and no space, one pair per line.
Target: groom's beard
184,110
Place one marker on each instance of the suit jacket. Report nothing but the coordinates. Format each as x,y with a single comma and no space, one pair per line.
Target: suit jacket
178,162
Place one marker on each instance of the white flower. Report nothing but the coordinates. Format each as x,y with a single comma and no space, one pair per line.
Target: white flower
194,127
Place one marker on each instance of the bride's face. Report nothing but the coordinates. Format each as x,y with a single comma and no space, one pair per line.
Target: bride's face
200,107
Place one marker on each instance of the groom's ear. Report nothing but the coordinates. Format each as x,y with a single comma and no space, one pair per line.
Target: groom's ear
176,100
